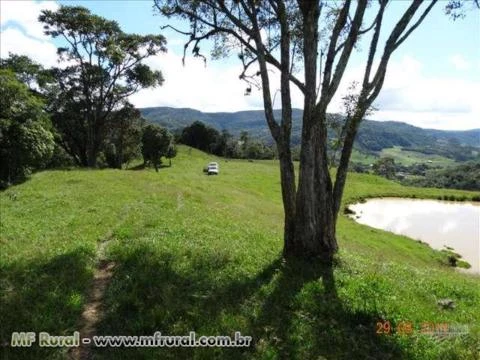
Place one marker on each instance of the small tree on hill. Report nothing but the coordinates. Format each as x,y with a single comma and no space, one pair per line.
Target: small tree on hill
171,153
200,136
156,142
385,167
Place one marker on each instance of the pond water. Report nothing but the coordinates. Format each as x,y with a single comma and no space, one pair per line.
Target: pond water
438,223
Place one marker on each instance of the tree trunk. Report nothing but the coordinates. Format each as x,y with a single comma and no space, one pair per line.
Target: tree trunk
91,145
287,178
91,156
341,177
305,243
314,220
326,222
314,223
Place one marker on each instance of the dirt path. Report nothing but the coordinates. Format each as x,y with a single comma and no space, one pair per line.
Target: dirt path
93,311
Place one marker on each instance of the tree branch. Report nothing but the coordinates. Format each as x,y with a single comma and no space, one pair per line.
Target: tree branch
347,50
414,26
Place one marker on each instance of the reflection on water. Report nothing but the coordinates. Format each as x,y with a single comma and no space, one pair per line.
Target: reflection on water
438,223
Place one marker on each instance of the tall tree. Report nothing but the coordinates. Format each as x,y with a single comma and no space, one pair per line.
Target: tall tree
316,38
103,67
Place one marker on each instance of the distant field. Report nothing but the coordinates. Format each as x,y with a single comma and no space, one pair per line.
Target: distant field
362,158
403,157
203,253
413,157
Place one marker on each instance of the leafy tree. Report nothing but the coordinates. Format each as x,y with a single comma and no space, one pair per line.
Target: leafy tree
225,144
244,139
385,166
124,136
171,153
156,142
457,9
200,136
316,38
26,142
257,150
28,72
103,67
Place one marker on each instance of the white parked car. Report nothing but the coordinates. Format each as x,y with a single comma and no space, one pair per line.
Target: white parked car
212,168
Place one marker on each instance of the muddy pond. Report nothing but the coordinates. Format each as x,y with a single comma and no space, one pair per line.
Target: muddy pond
441,224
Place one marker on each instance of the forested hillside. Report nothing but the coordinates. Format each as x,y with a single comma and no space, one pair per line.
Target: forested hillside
373,135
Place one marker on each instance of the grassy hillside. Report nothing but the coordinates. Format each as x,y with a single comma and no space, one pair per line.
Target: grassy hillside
194,252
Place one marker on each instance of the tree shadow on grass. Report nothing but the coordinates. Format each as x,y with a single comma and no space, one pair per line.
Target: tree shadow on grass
143,167
137,167
290,309
303,318
42,296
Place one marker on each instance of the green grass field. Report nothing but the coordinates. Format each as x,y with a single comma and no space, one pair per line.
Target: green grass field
407,158
203,253
362,158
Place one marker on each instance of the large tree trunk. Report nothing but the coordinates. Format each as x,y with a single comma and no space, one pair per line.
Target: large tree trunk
314,223
314,220
92,156
326,222
305,243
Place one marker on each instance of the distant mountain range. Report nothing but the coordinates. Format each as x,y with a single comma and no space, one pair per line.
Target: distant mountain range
373,136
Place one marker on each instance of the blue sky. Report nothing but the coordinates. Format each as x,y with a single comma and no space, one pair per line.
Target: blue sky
432,81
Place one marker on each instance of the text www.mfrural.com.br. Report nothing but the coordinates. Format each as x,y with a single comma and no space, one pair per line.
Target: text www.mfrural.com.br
44,339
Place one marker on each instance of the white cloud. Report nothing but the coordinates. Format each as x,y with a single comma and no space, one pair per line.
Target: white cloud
22,33
14,41
411,96
459,62
25,14
207,88
408,94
